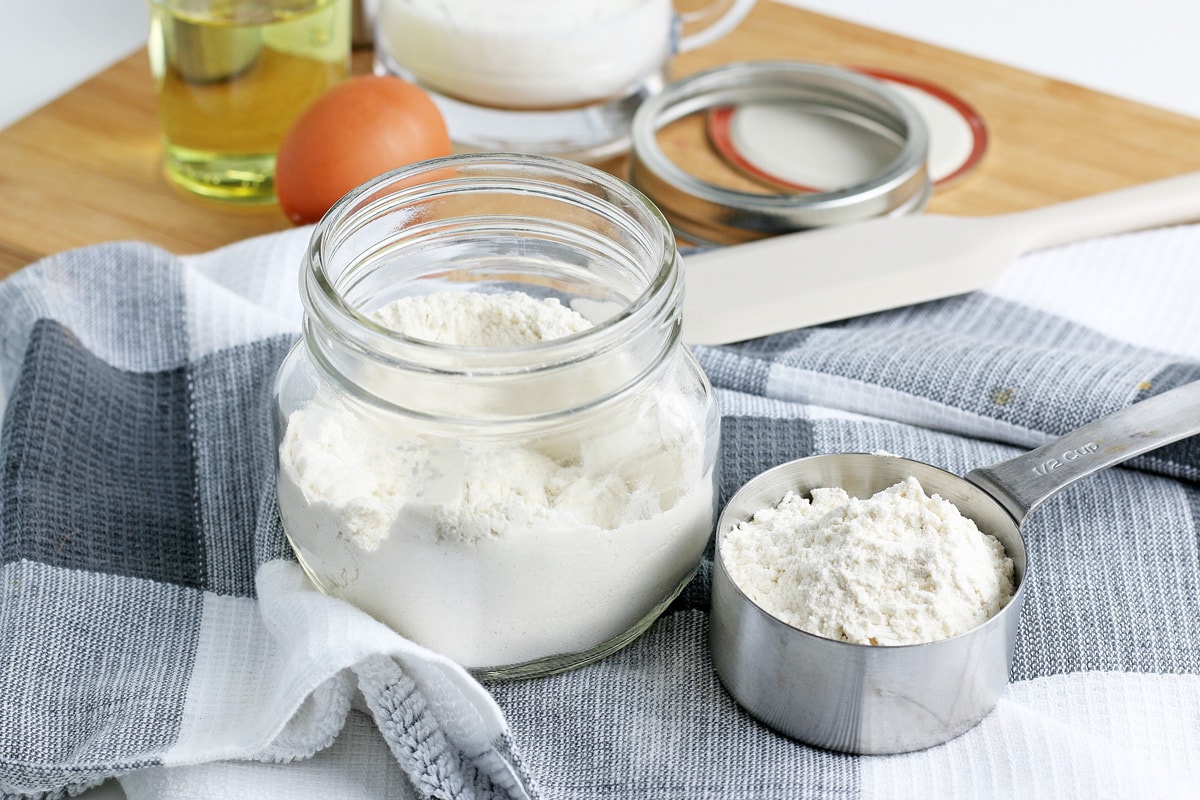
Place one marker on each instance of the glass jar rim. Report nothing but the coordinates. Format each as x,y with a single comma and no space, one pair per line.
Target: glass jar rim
322,297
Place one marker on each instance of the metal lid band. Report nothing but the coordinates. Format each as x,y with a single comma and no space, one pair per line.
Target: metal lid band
709,214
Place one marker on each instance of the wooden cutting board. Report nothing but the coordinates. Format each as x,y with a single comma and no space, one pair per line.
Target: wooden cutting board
87,168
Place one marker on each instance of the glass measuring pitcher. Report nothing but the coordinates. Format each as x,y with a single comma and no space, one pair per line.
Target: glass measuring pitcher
542,76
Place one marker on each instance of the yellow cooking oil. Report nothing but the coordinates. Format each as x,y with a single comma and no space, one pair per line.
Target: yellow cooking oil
232,76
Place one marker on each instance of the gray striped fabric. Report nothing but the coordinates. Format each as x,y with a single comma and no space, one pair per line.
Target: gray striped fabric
153,626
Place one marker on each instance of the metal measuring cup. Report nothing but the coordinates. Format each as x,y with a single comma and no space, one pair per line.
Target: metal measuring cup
867,699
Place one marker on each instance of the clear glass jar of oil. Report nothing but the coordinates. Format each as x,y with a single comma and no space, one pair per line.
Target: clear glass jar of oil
232,76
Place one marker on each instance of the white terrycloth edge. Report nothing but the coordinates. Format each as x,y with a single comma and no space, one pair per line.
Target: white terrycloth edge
294,701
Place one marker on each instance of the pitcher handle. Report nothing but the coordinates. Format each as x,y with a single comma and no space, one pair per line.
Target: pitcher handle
714,28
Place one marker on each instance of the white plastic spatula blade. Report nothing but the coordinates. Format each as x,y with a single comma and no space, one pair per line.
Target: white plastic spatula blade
800,279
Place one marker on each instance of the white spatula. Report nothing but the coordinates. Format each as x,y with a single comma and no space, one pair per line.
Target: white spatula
801,279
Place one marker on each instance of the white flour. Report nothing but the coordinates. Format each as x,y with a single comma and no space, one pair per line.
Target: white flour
481,320
498,552
527,53
898,568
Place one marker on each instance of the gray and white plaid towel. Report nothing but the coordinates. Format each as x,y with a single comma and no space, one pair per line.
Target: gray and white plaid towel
153,626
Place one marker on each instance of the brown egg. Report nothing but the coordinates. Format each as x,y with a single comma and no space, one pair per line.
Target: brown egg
357,130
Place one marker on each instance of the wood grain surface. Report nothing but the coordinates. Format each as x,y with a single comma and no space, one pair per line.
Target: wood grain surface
87,167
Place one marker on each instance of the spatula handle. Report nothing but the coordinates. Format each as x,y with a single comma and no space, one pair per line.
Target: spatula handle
1148,205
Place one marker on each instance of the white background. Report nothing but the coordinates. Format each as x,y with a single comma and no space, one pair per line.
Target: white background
1147,50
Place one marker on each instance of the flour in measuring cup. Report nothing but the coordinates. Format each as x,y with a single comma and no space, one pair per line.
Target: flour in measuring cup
498,551
527,53
901,567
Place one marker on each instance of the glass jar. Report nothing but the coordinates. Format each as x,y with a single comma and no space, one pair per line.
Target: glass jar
521,508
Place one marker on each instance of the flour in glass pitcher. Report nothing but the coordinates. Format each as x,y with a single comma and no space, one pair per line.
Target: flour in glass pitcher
527,54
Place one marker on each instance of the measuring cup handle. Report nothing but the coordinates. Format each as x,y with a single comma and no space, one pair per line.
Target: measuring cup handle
726,21
1022,483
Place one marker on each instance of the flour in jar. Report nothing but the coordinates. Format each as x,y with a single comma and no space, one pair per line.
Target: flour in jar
473,319
499,550
901,567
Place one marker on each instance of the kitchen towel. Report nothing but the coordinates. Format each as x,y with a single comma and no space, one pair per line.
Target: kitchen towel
154,627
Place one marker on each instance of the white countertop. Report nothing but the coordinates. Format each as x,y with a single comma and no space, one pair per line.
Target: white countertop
1147,53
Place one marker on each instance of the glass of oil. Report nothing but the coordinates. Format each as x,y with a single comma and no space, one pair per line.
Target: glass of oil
232,76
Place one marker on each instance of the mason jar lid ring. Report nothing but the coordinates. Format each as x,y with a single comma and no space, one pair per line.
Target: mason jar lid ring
708,213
